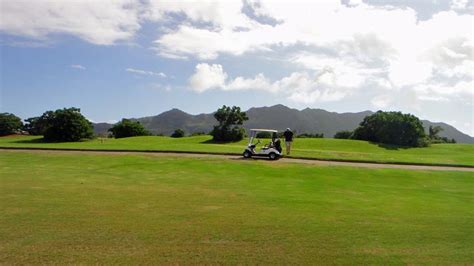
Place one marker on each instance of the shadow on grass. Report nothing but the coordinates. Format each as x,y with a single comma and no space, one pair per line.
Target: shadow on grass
43,141
390,146
30,141
256,158
210,141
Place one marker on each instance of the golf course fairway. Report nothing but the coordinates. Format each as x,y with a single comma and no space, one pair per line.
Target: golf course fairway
62,208
316,148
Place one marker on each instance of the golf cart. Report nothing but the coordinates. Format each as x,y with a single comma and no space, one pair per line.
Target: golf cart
271,150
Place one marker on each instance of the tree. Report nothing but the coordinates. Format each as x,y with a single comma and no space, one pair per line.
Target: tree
38,125
178,133
345,134
433,136
392,128
433,132
9,124
128,128
229,118
67,124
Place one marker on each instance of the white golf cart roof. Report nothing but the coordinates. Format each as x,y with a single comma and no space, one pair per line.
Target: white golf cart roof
263,130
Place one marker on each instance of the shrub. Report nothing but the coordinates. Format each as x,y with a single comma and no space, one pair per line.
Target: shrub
178,133
128,128
345,134
234,134
9,124
392,128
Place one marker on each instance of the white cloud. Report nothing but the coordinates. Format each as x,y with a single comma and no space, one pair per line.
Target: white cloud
207,77
99,22
145,72
462,90
381,101
78,67
459,4
299,86
158,86
260,82
374,41
220,14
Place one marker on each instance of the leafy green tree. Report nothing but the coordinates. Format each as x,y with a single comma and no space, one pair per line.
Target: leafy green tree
178,133
38,125
345,134
67,124
9,124
392,128
433,135
433,132
128,128
230,119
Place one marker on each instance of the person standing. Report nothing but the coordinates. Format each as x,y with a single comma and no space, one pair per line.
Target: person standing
288,140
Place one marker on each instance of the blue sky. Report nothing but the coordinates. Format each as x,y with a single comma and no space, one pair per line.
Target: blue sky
116,59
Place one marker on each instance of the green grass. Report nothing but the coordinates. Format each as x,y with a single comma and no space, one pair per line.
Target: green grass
59,208
450,154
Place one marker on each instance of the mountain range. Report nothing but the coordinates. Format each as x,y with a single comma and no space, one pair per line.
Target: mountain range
277,117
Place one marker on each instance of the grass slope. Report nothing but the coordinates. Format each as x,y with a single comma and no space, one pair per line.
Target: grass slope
456,154
63,208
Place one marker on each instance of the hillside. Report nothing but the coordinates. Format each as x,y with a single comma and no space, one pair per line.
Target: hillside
279,117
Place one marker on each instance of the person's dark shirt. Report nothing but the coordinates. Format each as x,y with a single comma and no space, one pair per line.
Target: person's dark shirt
288,135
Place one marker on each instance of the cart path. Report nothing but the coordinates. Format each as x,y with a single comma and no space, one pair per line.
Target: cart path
240,159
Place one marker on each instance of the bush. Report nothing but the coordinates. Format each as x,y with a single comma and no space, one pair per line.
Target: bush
128,128
229,118
178,133
9,124
234,134
345,134
392,128
309,135
66,124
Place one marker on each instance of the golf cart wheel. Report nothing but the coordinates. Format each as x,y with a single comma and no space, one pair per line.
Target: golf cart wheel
247,154
272,156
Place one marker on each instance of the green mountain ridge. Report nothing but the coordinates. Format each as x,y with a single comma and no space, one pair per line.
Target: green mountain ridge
277,117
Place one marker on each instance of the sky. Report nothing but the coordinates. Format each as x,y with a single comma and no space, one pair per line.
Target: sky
135,58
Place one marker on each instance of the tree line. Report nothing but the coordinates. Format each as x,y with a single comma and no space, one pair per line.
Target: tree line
68,124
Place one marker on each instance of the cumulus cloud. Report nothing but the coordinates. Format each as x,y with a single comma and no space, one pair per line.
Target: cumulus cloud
207,77
376,41
300,87
145,72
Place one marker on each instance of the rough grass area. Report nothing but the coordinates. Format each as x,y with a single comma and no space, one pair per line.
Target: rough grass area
448,154
95,209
